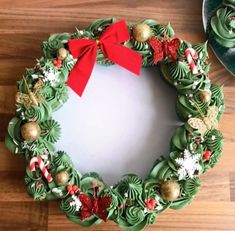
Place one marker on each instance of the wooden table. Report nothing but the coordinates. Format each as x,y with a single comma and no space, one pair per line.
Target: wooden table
23,26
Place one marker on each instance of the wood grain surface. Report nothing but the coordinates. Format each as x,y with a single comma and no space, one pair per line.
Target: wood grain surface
23,26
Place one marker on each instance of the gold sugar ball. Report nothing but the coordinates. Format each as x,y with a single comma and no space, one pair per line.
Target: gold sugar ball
62,53
142,32
170,190
62,178
30,131
205,96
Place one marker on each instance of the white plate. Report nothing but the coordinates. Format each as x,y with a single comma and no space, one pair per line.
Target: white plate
120,125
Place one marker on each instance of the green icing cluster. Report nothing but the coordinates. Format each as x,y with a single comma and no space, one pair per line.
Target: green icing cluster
135,202
223,24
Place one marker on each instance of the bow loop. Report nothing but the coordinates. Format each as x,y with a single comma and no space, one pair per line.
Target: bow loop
85,51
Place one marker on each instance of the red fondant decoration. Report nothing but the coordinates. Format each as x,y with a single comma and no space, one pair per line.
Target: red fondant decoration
164,48
97,206
85,51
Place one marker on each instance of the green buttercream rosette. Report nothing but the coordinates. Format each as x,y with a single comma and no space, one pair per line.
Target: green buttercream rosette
38,113
217,99
186,138
229,3
223,27
130,187
162,170
13,138
37,189
54,42
50,130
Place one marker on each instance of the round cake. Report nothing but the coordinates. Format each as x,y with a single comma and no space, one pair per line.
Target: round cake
173,180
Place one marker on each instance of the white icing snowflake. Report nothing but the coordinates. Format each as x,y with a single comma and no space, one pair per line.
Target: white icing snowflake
188,164
76,202
50,75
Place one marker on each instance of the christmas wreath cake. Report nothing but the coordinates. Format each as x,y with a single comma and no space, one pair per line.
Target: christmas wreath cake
68,59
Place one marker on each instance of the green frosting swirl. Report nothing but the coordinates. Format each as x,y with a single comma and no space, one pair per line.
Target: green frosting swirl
223,27
214,140
56,96
217,98
201,49
38,113
215,158
165,30
62,160
162,170
37,190
130,186
68,207
134,215
192,186
13,138
185,109
181,202
186,138
192,84
88,180
229,3
178,70
50,130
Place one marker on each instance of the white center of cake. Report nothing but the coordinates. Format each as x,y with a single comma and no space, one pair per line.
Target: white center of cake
120,125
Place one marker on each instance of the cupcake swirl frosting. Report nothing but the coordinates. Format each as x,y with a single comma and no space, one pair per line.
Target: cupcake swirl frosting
223,27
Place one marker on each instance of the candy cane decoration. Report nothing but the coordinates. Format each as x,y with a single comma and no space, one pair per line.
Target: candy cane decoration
42,167
191,54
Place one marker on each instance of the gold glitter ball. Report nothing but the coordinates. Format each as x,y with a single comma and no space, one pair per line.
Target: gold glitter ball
205,96
62,178
142,32
62,53
30,131
170,190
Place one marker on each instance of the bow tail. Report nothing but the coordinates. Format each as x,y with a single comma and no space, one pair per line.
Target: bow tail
123,56
81,72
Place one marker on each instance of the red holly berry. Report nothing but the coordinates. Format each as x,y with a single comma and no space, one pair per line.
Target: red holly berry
150,204
207,155
57,63
75,188
69,187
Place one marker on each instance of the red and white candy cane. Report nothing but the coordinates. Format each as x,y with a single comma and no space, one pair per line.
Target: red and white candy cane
42,167
191,54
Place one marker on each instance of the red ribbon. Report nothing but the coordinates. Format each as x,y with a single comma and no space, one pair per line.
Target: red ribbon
85,51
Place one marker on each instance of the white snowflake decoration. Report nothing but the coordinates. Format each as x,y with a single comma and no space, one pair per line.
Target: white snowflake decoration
188,164
50,75
76,202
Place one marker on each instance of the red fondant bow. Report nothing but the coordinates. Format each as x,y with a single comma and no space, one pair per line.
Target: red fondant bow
164,48
85,51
